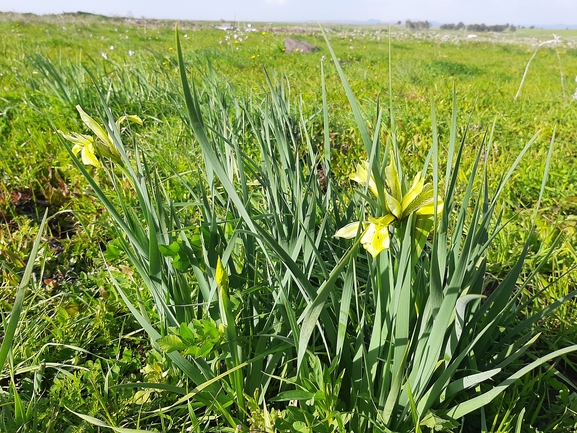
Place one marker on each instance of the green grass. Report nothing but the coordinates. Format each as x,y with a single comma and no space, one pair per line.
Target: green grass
77,347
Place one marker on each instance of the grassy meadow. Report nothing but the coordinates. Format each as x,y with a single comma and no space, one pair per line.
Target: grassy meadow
217,298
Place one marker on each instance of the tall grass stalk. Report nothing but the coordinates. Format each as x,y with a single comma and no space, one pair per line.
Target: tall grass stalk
21,413
554,42
10,324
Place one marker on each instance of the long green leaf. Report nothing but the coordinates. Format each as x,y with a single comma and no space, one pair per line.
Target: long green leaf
20,295
99,423
311,314
475,403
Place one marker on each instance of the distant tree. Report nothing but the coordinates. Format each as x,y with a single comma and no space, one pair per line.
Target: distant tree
417,25
486,28
453,26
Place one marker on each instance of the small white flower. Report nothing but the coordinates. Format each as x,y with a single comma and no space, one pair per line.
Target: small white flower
63,28
130,53
104,55
111,47
186,36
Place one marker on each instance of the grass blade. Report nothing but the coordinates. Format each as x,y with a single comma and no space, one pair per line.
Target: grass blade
20,295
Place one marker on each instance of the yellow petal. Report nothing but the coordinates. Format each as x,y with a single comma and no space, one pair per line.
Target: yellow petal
414,191
131,118
76,138
393,205
376,239
77,148
95,127
430,208
393,180
368,235
362,177
423,199
349,231
384,220
88,156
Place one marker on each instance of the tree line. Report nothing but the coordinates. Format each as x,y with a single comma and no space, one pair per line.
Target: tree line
423,25
479,27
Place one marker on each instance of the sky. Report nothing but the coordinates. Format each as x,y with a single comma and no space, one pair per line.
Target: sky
518,12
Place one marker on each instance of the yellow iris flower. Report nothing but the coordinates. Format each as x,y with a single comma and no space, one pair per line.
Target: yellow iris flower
83,144
418,199
375,237
89,147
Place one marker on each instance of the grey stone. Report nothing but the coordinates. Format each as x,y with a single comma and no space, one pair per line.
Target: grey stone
294,45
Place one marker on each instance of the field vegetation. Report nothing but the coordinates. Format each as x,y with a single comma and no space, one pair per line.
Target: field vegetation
189,278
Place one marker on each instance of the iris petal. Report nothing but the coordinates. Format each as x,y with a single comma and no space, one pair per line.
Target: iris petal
349,231
393,181
95,127
362,177
88,156
413,192
393,205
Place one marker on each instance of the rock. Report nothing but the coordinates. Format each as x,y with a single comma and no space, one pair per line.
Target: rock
294,45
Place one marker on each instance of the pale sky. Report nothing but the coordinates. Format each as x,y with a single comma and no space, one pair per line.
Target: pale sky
519,12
